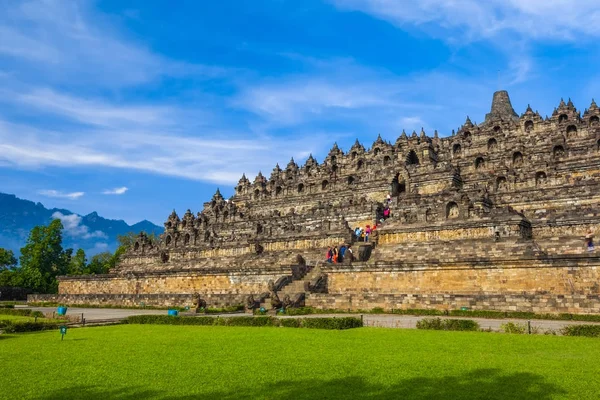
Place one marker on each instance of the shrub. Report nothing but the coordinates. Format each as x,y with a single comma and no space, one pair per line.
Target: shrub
585,317
7,306
332,323
290,322
477,313
448,324
317,323
224,309
416,311
250,321
26,326
581,330
430,323
169,320
511,327
16,311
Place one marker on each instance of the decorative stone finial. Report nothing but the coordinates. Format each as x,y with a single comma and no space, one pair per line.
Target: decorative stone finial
217,195
403,135
435,134
562,103
501,107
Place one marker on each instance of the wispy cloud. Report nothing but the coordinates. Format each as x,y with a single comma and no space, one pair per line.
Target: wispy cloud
219,160
474,19
71,39
61,195
117,191
74,226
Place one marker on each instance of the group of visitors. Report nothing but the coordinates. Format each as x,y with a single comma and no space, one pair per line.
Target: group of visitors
335,255
362,235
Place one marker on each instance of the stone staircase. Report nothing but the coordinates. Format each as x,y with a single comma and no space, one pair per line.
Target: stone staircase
295,287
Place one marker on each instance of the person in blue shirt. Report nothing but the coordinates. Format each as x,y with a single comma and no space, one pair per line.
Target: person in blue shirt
341,253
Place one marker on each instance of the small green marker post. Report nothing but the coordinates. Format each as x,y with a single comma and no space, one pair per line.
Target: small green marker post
63,332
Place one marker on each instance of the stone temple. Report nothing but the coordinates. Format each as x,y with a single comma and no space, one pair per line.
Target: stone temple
494,216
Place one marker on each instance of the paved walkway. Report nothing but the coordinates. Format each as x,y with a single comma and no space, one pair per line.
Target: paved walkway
373,320
101,314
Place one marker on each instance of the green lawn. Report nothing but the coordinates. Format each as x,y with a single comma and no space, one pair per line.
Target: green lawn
195,362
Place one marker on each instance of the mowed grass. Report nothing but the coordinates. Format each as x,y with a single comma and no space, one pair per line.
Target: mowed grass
196,362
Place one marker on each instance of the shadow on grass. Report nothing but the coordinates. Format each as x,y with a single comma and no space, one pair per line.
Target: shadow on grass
479,384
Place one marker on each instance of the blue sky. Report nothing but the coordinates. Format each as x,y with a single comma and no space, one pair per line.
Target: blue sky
133,108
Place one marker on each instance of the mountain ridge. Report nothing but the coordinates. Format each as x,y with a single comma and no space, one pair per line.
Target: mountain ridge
91,232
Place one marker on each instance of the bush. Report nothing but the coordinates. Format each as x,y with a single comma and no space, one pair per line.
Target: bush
511,327
224,309
250,321
478,313
169,320
290,322
7,306
332,323
16,311
416,311
448,324
26,326
316,323
581,330
584,317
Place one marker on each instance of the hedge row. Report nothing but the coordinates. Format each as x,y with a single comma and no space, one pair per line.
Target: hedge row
215,310
581,330
8,326
448,324
316,323
23,312
454,313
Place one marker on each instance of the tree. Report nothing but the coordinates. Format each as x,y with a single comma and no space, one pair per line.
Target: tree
7,259
100,263
9,273
43,258
78,263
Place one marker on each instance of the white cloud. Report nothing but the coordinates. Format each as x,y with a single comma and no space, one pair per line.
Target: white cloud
74,227
100,246
61,195
475,19
220,160
117,191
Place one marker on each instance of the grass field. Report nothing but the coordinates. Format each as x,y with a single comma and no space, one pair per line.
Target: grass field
193,362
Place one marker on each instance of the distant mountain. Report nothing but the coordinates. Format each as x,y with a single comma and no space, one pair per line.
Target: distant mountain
90,232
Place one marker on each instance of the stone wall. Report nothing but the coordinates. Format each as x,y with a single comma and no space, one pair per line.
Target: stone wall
553,286
538,303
